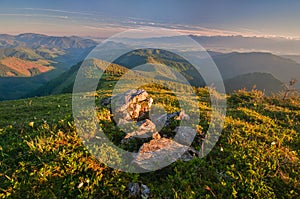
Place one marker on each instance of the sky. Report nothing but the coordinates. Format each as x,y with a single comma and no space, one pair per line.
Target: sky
103,18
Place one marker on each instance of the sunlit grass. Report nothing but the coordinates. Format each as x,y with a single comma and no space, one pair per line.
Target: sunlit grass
256,156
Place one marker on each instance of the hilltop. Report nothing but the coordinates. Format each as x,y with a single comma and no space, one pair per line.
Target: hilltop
257,154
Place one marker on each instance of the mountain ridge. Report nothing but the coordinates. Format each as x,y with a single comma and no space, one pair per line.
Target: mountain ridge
33,40
39,52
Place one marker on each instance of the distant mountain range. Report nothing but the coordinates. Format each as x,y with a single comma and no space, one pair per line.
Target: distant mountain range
239,70
40,56
296,58
62,52
34,64
232,66
36,41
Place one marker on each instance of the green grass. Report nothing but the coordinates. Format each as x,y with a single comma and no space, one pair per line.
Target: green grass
260,156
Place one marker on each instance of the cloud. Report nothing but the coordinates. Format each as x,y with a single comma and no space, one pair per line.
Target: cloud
34,15
57,11
92,21
101,23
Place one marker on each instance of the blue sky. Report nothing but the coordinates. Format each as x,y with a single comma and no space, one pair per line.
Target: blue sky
104,18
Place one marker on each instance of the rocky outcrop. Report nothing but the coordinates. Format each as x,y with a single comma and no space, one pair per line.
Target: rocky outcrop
129,106
133,106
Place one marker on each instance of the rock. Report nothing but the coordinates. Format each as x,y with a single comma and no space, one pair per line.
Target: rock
145,130
134,190
165,119
184,135
137,190
134,106
129,106
159,153
126,140
190,154
145,191
122,122
145,108
156,136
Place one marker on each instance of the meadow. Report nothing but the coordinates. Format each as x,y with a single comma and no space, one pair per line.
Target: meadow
257,155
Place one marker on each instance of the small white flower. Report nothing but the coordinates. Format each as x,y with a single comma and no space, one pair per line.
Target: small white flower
273,143
80,185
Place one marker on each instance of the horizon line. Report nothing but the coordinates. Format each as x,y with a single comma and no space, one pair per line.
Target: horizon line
197,35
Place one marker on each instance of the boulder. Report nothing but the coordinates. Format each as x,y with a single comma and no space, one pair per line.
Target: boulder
159,153
129,106
165,119
145,130
184,135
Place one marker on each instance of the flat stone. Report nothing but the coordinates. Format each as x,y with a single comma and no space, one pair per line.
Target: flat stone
184,135
159,153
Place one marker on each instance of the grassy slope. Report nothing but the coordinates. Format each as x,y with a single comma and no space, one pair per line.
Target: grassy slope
64,82
48,160
261,81
155,56
21,67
